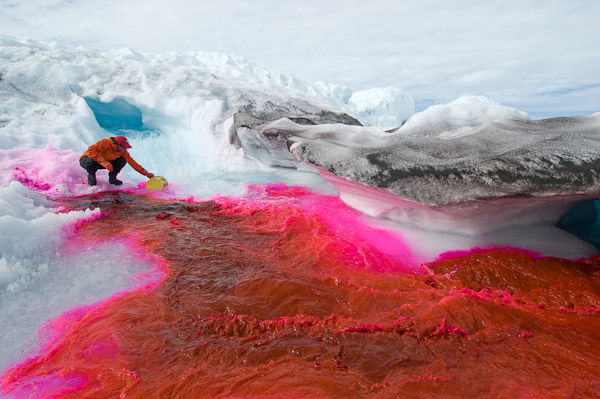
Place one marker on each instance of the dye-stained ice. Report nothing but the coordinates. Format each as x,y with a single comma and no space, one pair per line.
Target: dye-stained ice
44,272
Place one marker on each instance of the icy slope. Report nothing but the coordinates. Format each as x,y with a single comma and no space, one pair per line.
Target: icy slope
44,85
489,160
176,108
472,165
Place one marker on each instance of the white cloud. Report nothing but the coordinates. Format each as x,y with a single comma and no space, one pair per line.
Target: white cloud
436,50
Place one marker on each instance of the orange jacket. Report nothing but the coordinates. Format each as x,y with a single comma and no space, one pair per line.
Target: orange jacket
105,151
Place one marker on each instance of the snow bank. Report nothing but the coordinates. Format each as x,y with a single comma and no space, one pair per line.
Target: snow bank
31,234
176,109
44,89
41,276
455,118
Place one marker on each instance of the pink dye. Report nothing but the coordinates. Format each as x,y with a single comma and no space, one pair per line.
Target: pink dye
37,185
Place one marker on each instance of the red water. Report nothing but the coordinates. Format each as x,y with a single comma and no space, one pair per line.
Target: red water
289,295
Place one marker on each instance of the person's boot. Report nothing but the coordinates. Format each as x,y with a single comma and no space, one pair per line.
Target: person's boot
91,179
112,179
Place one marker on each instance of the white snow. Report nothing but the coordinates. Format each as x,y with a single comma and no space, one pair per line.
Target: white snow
450,119
186,101
29,226
40,277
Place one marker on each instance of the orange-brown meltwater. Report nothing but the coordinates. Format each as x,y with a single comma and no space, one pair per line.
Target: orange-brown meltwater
290,296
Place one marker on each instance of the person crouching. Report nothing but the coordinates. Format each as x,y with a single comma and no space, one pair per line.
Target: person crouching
109,154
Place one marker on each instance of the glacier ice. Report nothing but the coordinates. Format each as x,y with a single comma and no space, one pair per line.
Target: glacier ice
470,165
495,159
116,115
476,172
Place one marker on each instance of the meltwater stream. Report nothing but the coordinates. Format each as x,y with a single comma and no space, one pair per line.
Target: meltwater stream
288,294
242,279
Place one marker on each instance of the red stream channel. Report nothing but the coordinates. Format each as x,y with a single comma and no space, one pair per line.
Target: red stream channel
276,298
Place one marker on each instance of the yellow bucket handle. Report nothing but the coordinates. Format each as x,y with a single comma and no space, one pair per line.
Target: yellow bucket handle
156,183
165,182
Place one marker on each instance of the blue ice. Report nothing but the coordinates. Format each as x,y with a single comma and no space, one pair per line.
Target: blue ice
116,115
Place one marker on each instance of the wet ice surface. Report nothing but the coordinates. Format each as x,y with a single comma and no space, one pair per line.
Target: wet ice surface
68,282
489,160
43,272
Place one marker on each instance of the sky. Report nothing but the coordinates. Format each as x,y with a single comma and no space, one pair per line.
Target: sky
540,56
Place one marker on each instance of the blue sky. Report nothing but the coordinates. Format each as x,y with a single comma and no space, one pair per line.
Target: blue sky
540,56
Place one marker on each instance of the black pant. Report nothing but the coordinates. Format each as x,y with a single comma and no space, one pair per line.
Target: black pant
92,166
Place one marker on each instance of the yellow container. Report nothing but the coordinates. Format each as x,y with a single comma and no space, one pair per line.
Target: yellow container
156,183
